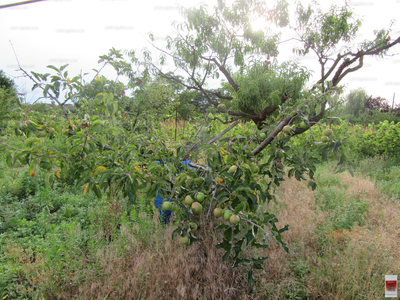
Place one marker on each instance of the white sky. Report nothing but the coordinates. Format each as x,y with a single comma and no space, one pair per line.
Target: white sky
77,32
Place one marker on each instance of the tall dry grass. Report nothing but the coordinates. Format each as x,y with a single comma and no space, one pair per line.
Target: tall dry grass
164,270
340,264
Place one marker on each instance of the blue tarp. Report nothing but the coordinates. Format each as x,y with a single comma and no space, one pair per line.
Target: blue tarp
165,215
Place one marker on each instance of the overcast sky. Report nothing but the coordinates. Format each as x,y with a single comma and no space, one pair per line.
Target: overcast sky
77,32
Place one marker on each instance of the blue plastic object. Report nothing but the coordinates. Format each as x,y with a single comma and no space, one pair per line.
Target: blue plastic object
165,215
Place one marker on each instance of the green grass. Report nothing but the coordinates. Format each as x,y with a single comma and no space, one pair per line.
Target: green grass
385,173
59,227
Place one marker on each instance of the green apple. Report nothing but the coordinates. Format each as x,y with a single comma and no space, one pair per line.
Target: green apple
174,207
262,136
232,169
185,239
253,168
327,132
227,214
286,129
218,212
42,133
200,197
234,219
303,125
166,205
192,226
188,200
197,208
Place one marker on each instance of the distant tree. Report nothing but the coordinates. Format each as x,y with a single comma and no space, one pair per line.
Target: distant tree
201,103
377,103
155,98
101,84
359,108
355,103
8,99
187,103
6,83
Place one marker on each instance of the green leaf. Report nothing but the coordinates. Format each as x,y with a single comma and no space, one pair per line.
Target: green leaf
54,68
237,248
238,208
312,184
132,197
96,190
174,233
285,228
226,245
226,256
318,109
259,246
239,261
9,159
228,234
298,175
249,236
250,278
222,226
63,67
45,163
325,155
337,146
269,218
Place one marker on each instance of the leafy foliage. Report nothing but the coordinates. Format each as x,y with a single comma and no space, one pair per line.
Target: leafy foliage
355,103
8,99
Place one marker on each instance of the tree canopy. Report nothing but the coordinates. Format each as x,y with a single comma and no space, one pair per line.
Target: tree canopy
220,43
8,98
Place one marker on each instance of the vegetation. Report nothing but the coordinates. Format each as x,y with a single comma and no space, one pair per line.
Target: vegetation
8,99
77,202
360,109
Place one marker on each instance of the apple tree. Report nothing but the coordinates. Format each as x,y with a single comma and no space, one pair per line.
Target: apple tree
282,99
239,166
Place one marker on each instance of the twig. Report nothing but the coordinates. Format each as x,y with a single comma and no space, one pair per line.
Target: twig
262,229
212,199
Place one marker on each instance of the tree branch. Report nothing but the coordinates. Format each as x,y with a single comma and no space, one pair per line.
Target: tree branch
271,137
225,72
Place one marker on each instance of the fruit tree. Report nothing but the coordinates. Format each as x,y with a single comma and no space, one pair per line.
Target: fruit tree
237,170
